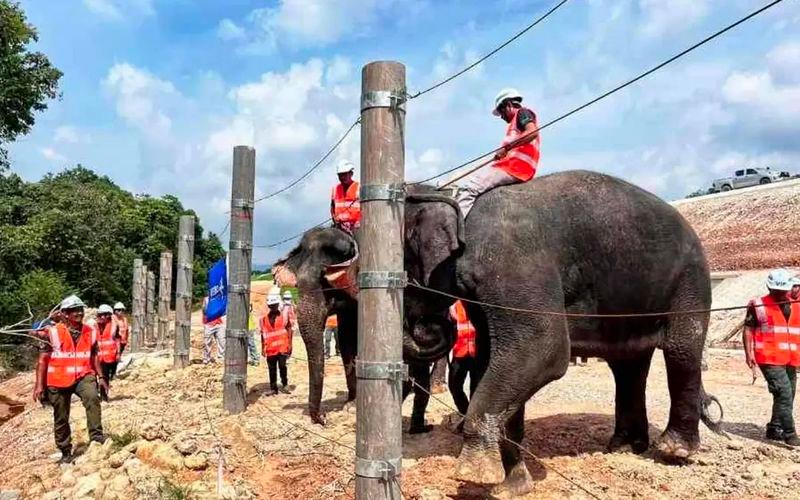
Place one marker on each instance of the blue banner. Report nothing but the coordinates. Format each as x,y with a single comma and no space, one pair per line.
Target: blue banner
217,291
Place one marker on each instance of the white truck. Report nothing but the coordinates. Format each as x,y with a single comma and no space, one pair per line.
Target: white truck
745,178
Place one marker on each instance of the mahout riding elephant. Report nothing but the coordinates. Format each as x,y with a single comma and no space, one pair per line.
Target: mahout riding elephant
571,242
310,265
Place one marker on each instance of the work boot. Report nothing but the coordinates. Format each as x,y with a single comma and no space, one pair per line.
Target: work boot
285,389
774,434
101,439
66,457
792,440
274,390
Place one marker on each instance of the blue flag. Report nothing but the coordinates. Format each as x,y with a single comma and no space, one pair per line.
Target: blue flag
217,291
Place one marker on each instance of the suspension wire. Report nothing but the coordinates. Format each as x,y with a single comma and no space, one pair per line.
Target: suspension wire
489,54
526,137
293,237
592,315
314,166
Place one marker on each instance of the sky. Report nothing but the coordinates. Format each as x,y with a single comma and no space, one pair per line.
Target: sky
157,93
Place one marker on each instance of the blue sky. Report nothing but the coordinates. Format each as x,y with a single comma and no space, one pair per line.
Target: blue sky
157,93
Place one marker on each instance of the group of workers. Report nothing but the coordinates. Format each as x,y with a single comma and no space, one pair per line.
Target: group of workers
78,356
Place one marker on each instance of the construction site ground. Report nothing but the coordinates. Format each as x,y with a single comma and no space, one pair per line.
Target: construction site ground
168,425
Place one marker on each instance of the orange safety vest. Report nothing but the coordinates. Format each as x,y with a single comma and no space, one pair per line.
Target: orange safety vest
465,335
520,162
122,328
275,338
346,207
332,322
776,341
69,362
107,345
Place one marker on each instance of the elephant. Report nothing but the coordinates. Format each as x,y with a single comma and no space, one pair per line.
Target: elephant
309,267
575,263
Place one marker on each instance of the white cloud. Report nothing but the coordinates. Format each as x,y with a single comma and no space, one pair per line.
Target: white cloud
117,10
137,94
228,30
53,155
66,133
784,62
662,17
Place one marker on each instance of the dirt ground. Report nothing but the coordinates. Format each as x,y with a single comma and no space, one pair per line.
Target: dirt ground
273,451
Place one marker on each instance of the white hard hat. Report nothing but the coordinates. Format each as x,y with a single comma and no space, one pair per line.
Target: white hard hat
273,299
71,302
504,94
780,279
105,309
287,294
345,166
119,305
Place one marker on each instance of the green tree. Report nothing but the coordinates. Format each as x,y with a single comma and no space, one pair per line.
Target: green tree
27,79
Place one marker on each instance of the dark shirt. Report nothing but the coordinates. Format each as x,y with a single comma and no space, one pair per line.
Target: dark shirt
751,320
524,117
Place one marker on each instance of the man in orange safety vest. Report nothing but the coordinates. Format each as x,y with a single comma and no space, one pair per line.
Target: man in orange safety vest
772,342
345,205
108,345
514,163
276,342
464,360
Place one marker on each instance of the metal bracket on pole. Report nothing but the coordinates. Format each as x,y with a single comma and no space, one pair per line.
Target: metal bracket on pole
184,323
181,353
237,288
179,295
185,266
395,371
186,237
385,192
230,377
242,334
384,99
379,469
241,245
382,279
242,203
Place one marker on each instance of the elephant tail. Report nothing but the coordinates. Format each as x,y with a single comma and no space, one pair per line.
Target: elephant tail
706,403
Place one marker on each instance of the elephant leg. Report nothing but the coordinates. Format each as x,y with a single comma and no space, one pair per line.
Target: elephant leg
683,351
347,335
532,352
631,426
421,374
518,480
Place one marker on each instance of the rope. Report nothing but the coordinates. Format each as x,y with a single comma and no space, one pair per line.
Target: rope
489,54
592,315
294,237
528,136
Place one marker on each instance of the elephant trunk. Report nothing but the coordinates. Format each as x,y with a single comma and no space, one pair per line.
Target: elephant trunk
311,313
428,340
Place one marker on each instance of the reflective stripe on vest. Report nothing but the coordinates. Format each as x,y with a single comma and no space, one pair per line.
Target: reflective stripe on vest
70,362
465,332
776,341
275,338
346,207
522,161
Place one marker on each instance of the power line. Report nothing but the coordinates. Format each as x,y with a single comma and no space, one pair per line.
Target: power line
489,54
616,89
293,237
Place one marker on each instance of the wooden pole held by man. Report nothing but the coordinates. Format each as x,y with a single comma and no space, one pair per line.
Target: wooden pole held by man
379,366
183,291
240,256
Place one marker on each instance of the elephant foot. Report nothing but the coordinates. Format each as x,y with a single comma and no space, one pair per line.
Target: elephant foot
518,482
318,417
638,444
420,428
675,448
480,466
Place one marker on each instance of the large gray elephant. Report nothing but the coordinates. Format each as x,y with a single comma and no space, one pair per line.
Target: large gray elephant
571,242
313,267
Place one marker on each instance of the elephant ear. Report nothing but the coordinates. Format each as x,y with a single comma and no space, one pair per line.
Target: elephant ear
432,237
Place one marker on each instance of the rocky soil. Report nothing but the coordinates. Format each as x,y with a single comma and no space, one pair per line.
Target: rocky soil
171,440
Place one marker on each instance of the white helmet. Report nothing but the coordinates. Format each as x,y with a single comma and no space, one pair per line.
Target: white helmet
504,94
345,166
71,302
273,299
118,306
287,294
105,309
780,279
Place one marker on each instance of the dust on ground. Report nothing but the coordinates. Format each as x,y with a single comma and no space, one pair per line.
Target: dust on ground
170,425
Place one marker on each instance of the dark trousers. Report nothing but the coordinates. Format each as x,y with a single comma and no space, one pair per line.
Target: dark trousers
459,369
782,383
273,364
61,398
109,372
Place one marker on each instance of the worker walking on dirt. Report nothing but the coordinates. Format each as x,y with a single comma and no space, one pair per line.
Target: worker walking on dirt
345,205
514,162
331,327
464,358
213,330
68,364
772,341
122,326
276,343
108,345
